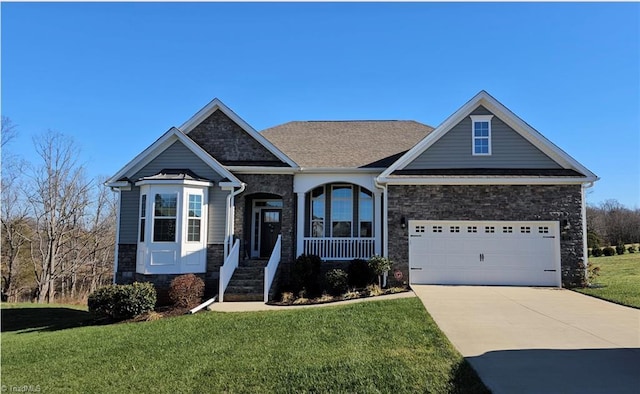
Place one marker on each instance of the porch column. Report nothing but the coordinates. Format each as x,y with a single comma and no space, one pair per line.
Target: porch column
300,224
377,221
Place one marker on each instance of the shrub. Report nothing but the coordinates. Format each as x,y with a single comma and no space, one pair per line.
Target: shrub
608,251
337,281
596,252
360,274
121,302
592,272
374,290
186,291
305,274
379,265
288,297
620,248
631,249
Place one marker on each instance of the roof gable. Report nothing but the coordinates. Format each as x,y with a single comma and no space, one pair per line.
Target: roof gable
216,105
158,147
528,133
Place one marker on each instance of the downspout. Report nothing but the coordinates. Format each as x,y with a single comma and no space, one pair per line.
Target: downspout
385,216
230,218
585,248
115,256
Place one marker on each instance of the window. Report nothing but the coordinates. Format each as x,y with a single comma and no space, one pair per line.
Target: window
194,215
481,135
525,229
489,229
317,212
543,230
341,210
472,229
454,229
419,229
164,222
365,211
143,215
437,229
507,229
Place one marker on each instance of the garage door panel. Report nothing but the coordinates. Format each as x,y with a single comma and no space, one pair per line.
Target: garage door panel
488,252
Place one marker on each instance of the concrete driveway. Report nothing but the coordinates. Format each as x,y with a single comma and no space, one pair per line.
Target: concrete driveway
539,340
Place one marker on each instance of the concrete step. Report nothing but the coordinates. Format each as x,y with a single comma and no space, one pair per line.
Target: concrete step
253,263
243,297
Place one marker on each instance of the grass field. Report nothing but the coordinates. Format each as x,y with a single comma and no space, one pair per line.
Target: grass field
374,347
619,279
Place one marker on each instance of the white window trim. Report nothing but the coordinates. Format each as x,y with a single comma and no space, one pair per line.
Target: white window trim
324,216
480,118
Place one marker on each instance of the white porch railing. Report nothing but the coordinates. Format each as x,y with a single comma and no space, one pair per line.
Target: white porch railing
340,248
228,268
272,267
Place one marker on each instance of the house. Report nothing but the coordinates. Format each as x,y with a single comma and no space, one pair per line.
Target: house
481,199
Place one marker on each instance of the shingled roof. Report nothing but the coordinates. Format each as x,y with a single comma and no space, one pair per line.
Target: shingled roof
346,144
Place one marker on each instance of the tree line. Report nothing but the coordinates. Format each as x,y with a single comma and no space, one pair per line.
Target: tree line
58,225
611,223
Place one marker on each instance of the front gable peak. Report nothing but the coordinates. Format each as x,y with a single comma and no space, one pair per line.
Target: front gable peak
231,140
481,108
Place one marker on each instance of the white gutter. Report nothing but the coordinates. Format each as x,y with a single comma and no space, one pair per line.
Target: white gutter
230,205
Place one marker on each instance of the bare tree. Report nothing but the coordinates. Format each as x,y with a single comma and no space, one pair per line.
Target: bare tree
58,197
8,131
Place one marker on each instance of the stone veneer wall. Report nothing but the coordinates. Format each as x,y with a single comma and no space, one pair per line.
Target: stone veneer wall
490,202
281,185
223,139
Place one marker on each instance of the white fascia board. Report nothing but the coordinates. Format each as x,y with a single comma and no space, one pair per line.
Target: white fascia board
261,170
159,146
187,182
229,185
217,104
444,180
122,185
338,170
521,127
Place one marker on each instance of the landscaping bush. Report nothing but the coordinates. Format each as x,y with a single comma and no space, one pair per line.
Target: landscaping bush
631,249
620,248
360,274
186,291
608,251
379,265
337,281
305,275
596,252
121,302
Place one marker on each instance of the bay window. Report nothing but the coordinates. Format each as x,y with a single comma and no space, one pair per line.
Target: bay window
173,239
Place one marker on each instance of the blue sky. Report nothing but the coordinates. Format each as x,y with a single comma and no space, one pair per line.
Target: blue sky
116,76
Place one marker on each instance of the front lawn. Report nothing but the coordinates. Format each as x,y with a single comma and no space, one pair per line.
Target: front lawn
619,279
373,347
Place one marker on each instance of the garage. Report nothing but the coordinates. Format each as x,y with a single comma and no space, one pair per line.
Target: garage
516,253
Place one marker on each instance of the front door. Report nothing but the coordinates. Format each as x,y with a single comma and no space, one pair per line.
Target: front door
270,223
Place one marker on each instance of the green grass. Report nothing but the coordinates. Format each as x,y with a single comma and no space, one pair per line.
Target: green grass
619,279
373,347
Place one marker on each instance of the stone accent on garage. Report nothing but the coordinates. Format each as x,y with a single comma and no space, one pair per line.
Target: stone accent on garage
280,185
490,202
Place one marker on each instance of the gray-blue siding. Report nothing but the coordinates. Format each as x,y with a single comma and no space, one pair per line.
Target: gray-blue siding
509,149
176,156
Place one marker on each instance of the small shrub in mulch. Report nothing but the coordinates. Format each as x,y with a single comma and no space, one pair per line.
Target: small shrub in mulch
186,291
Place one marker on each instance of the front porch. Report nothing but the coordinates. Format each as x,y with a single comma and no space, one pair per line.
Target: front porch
337,219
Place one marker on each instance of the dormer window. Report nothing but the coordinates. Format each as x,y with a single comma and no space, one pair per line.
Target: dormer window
481,135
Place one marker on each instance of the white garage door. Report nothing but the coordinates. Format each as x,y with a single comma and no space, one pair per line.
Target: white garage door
484,253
